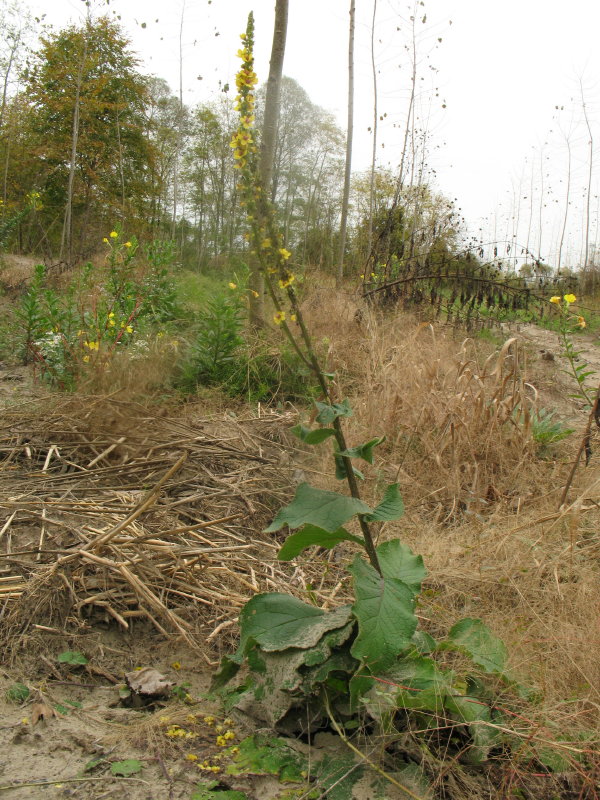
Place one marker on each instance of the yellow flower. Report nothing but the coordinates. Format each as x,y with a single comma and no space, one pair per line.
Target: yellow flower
127,244
111,323
191,757
111,315
362,277
209,720
279,317
293,318
176,665
129,329
555,299
105,240
228,721
266,243
580,322
285,282
254,294
114,235
221,741
570,298
232,285
285,254
92,345
229,735
86,359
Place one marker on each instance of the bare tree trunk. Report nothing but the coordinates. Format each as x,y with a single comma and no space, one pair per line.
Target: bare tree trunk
589,186
567,201
349,136
179,127
374,153
267,147
66,246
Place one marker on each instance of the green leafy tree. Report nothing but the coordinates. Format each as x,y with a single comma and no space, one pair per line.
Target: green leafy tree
103,123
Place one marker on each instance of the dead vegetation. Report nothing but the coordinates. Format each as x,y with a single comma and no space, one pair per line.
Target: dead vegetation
123,514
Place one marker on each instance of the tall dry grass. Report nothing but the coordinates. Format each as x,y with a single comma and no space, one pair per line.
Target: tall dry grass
481,497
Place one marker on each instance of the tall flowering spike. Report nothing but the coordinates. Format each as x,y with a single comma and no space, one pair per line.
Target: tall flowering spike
242,142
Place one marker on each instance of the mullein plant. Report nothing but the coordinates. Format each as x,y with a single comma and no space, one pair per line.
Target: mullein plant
276,265
579,369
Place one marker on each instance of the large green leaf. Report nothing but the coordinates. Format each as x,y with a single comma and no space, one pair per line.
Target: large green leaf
473,637
384,609
312,436
327,510
328,412
364,451
278,621
311,536
267,755
390,508
397,560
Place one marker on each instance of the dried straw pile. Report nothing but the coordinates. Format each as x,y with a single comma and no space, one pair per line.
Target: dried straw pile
110,511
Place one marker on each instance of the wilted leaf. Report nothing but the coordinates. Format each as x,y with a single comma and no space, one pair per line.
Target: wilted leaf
278,621
310,536
473,637
42,711
148,682
327,510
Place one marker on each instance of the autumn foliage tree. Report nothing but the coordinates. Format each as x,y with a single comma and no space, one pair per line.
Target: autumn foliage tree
86,97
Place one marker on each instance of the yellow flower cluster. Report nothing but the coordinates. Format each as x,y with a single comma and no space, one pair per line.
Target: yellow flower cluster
568,298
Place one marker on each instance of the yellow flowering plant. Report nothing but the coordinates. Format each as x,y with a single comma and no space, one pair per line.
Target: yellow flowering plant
378,631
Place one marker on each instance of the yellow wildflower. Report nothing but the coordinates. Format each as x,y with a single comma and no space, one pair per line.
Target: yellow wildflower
279,317
234,750
129,329
228,721
254,294
176,665
86,359
570,298
214,768
555,299
362,277
285,282
92,345
114,235
229,735
105,240
209,720
191,757
111,314
293,318
232,285
111,323
285,254
580,322
127,244
266,243
221,741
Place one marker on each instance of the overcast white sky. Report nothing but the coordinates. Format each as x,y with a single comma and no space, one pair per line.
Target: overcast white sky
502,68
